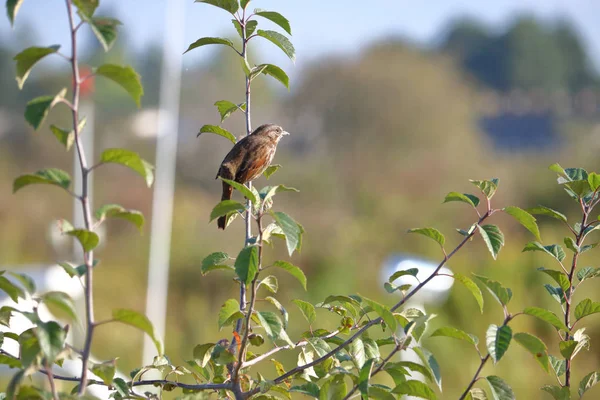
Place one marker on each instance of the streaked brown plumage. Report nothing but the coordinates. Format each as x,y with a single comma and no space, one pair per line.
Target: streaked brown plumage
248,159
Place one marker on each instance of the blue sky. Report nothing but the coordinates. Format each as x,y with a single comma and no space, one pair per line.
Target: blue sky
319,26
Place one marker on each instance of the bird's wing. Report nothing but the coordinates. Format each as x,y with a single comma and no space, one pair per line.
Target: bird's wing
229,165
256,159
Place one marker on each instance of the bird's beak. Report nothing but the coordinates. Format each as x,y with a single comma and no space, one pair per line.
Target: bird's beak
284,133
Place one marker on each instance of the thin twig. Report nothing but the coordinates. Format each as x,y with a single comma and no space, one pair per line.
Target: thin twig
484,360
248,219
85,202
51,382
579,238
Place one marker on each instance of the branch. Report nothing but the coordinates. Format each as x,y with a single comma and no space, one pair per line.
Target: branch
85,202
579,238
378,320
152,382
269,353
484,360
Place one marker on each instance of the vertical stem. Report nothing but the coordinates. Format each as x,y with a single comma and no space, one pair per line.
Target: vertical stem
50,376
85,203
244,54
579,238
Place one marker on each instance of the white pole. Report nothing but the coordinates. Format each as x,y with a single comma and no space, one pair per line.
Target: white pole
164,185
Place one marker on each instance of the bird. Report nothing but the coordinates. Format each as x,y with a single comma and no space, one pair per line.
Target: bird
248,159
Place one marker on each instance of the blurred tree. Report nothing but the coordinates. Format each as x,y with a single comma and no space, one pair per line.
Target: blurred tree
529,55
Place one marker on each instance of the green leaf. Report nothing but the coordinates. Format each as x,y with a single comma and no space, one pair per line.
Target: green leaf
541,210
67,138
202,353
270,282
268,192
26,281
226,108
217,130
281,309
497,340
589,380
471,200
500,389
383,312
291,229
272,325
571,245
51,338
500,293
13,291
586,307
476,394
554,250
225,207
280,41
273,71
229,313
271,169
488,188
364,375
131,160
545,315
292,270
246,264
356,350
62,301
86,7
557,392
594,180
250,28
430,364
559,277
105,30
209,40
493,238
451,332
567,348
89,240
28,58
431,233
139,321
558,169
535,346
587,273
117,211
525,219
244,3
37,109
559,365
12,8
231,6
276,18
50,176
247,193
472,287
307,310
105,371
214,261
404,272
416,389
309,389
126,77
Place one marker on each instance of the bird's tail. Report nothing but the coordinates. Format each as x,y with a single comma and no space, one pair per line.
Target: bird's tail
227,192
